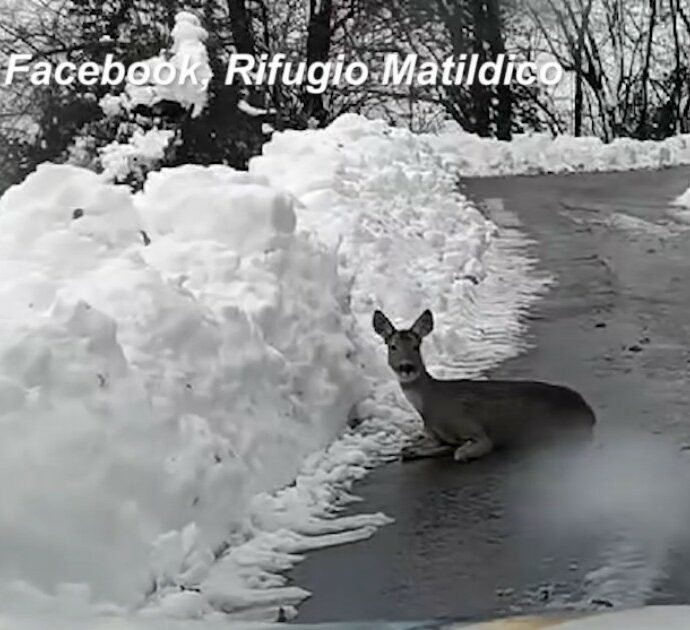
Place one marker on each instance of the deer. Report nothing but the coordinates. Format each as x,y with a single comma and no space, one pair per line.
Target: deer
471,418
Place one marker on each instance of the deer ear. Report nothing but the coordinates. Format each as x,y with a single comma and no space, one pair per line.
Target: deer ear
424,324
382,325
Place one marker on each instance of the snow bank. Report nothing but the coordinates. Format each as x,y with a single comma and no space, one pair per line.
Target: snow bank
405,237
177,366
148,393
534,154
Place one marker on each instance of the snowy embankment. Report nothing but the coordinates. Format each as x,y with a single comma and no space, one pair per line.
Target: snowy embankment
540,153
177,367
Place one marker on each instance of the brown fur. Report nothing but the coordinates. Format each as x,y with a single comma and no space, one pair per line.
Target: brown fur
472,418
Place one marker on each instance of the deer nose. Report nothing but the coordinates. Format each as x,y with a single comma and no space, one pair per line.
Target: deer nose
406,367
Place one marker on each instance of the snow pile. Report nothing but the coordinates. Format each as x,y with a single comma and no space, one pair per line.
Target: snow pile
177,366
148,393
534,154
181,75
406,238
681,209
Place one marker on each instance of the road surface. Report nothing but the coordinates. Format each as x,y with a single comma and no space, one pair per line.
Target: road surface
491,538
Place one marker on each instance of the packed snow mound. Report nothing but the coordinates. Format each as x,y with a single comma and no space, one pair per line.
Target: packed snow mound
537,153
405,236
68,204
147,393
242,210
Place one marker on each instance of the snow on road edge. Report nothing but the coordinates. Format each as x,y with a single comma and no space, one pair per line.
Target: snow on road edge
540,153
681,209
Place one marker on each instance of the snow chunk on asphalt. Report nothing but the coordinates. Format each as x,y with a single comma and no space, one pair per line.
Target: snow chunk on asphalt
681,208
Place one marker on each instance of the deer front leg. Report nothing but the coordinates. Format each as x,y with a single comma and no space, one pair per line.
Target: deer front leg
474,448
425,447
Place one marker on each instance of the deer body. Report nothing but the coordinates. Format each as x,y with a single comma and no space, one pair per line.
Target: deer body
470,418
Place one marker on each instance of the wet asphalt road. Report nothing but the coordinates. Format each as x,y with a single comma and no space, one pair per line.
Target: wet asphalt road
468,541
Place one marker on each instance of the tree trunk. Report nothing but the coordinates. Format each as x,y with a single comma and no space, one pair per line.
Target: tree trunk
481,94
241,27
584,25
642,131
454,99
318,48
678,78
494,33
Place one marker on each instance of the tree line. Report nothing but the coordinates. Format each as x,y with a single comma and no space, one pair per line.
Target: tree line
626,62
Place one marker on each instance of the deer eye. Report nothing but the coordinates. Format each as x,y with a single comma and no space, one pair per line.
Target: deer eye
393,347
